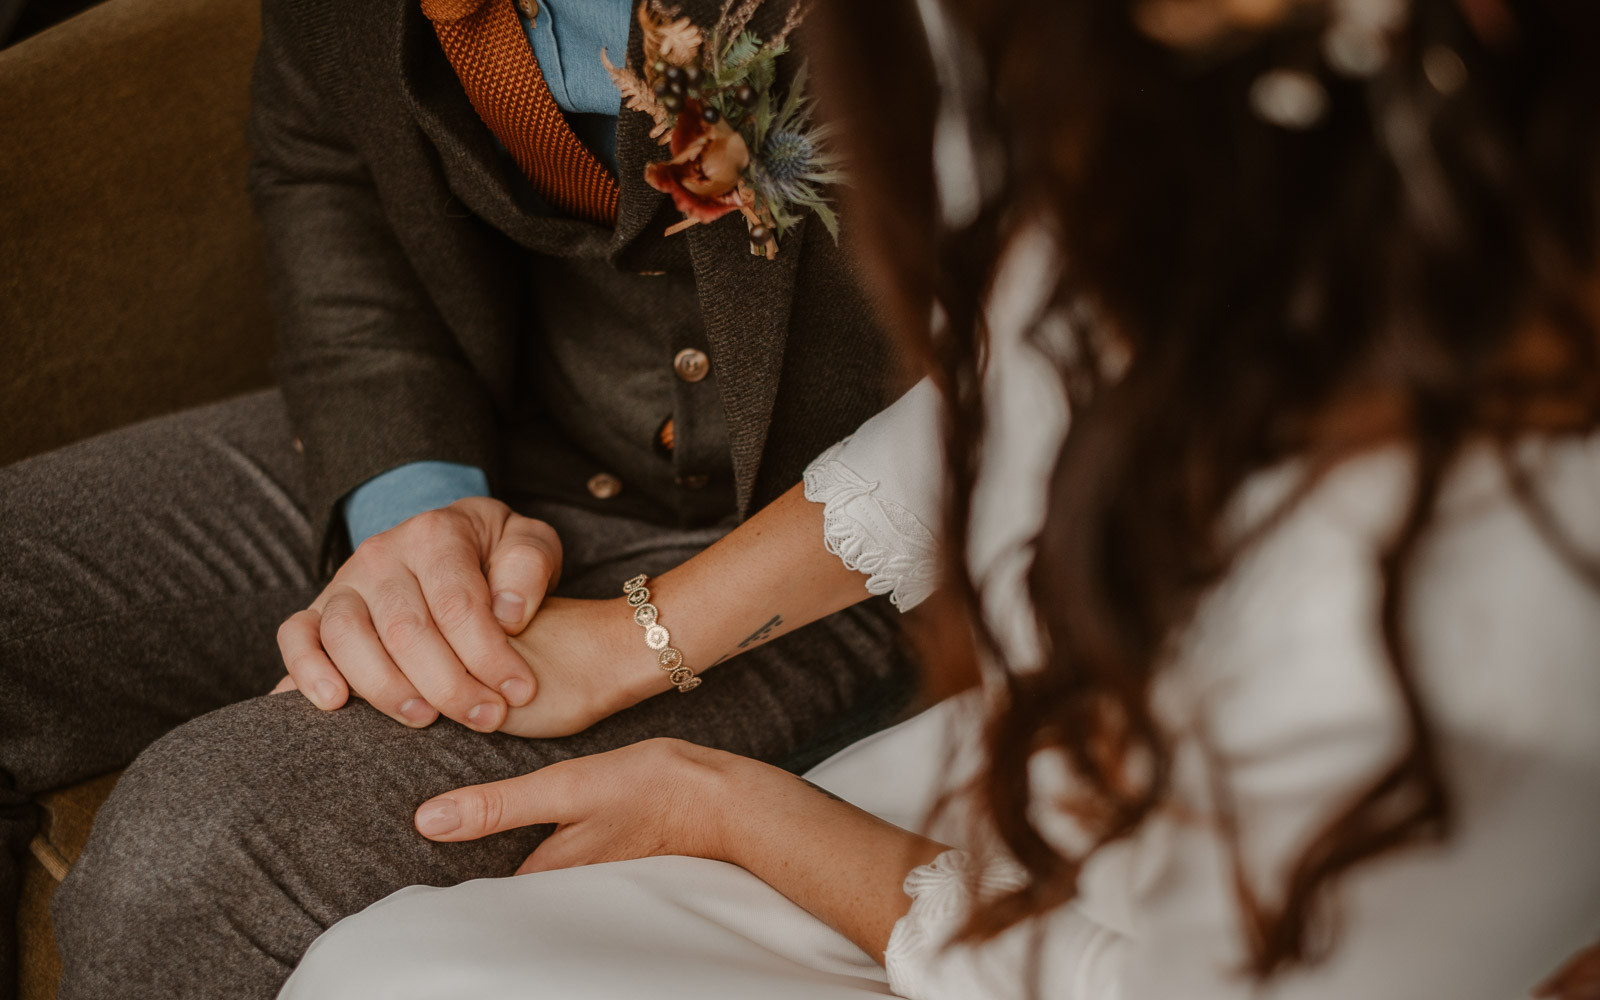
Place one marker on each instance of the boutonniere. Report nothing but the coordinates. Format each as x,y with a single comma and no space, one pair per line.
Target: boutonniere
737,146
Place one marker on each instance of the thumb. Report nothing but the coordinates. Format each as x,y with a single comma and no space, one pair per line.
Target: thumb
523,566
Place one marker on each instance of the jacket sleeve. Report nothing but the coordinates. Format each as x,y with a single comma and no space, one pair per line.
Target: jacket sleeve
372,376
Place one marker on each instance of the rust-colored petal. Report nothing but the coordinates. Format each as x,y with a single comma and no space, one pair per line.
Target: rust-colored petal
708,161
720,164
689,127
667,177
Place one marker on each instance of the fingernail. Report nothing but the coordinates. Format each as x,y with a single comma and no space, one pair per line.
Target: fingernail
416,710
438,816
327,695
517,691
508,607
484,716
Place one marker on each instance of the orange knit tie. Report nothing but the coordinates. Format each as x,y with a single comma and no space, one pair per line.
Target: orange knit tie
484,41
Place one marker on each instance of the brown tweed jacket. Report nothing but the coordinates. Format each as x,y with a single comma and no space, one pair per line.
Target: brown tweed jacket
399,251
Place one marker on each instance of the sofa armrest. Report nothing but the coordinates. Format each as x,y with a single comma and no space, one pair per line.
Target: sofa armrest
131,280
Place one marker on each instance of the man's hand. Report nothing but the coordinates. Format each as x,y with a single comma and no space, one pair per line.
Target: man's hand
416,620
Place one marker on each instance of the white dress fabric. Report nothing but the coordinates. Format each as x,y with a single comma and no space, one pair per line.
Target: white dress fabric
1280,691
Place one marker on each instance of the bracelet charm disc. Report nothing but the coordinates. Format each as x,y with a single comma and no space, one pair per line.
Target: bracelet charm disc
656,636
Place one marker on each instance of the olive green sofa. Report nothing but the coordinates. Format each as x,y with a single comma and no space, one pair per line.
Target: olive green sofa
131,282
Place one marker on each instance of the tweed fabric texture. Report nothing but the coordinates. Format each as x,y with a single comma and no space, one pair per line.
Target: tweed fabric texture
503,81
245,832
400,241
399,253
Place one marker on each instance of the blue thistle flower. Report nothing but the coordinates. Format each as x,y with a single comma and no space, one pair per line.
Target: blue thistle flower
786,158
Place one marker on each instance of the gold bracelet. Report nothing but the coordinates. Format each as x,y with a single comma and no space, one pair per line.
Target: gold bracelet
656,636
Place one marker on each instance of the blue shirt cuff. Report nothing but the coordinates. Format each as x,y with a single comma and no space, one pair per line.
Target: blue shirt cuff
385,500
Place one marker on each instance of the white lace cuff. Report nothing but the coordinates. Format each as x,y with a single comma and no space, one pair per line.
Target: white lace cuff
871,534
941,898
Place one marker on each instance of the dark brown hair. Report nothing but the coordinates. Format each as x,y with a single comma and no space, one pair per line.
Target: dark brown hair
1421,254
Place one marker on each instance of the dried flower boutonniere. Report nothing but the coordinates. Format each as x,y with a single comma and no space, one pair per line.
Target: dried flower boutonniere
735,146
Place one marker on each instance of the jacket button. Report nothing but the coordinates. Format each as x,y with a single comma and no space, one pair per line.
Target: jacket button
694,481
691,365
604,486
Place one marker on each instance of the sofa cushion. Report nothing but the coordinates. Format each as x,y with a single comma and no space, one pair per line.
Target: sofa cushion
68,815
133,282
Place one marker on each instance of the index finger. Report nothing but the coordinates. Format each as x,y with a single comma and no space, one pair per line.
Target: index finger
552,794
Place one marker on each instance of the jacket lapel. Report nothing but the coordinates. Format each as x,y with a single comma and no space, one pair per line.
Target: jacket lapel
745,301
637,202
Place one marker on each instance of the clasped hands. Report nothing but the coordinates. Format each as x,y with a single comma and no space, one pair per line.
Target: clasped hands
433,617
448,613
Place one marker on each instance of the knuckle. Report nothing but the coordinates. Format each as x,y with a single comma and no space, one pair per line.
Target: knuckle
291,628
538,559
474,504
550,539
376,548
662,746
303,664
404,629
538,540
391,595
485,809
429,519
455,609
457,697
340,617
433,525
525,563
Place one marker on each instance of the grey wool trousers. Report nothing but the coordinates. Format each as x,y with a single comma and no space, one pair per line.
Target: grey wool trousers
143,575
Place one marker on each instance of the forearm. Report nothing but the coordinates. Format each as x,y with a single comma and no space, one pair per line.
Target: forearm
769,576
841,864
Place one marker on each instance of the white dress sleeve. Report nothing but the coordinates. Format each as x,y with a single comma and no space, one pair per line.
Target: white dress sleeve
880,494
1065,952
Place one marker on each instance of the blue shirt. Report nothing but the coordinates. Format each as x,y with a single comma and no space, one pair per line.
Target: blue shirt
566,37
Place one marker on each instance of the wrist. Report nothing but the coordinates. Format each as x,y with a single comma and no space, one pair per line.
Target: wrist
730,786
641,675
698,625
682,641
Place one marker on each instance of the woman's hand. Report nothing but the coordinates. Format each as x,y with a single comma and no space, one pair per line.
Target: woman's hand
589,661
666,796
658,797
